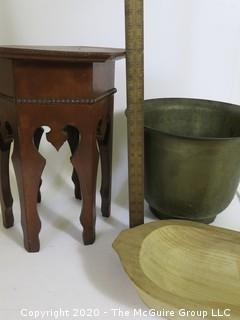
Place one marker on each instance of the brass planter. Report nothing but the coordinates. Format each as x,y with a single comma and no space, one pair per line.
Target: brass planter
192,157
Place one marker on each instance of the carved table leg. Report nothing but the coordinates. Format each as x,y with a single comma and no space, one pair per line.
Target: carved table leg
73,141
28,165
105,149
85,162
5,190
37,139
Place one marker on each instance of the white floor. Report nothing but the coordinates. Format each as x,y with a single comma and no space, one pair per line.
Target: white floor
66,275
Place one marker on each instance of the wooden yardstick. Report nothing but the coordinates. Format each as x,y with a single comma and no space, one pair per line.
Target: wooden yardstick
135,116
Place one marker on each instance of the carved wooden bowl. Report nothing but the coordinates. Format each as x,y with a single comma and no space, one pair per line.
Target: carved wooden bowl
180,266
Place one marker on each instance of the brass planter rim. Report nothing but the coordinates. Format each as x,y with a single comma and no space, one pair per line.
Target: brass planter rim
223,105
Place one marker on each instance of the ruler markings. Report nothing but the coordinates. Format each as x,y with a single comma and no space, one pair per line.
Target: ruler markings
135,118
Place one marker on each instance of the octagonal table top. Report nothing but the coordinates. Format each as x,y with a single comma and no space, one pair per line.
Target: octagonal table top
62,53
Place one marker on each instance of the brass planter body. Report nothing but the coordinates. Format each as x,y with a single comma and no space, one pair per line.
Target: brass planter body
192,157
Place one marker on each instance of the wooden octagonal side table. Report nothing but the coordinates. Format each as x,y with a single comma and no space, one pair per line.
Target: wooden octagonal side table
69,89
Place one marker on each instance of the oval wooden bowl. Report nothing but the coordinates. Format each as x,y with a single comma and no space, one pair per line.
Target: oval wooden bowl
183,265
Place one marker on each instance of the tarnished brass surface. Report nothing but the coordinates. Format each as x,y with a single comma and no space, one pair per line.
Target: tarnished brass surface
192,157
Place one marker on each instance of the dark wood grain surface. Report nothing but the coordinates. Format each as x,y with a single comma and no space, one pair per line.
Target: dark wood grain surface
63,53
70,90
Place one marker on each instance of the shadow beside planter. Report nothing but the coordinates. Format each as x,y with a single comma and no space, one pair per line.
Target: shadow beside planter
192,157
